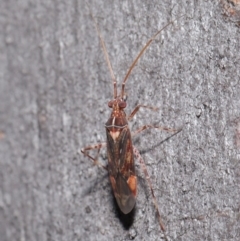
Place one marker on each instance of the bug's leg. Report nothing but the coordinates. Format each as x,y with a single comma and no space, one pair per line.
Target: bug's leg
136,109
144,168
94,159
162,128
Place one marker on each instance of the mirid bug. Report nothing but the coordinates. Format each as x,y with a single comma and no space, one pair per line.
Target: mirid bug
120,150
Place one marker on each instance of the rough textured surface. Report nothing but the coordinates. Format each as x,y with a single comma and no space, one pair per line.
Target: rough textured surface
55,86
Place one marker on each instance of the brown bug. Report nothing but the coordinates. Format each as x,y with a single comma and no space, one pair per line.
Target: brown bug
120,150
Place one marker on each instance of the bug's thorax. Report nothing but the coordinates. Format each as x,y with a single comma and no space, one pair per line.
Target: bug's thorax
117,120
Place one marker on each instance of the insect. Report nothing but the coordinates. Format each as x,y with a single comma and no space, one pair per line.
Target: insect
120,150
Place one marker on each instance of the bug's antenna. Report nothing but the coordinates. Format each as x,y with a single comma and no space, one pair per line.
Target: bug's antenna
106,55
142,51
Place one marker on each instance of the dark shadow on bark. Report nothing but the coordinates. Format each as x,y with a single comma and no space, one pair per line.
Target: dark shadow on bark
125,219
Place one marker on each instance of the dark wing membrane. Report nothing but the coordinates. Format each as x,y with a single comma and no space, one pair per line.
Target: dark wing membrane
124,196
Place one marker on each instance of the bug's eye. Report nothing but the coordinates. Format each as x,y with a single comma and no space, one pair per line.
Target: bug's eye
110,104
122,104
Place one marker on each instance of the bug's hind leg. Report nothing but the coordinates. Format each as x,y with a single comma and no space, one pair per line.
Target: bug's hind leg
144,168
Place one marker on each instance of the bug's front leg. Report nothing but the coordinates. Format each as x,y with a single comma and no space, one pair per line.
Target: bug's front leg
136,109
92,147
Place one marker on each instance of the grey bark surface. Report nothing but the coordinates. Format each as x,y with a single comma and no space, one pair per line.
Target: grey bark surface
55,86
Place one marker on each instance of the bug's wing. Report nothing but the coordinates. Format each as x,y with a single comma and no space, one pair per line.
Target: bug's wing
122,170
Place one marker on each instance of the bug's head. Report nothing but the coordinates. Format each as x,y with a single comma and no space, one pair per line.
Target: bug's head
118,103
118,116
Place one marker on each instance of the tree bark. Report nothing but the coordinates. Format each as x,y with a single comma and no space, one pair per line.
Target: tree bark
55,86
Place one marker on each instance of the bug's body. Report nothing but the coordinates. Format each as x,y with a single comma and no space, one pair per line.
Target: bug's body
120,157
120,150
